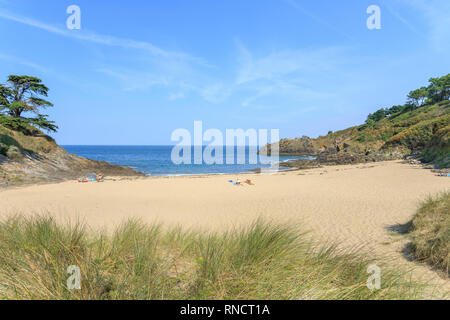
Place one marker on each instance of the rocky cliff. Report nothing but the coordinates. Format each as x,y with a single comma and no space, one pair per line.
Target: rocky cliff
423,132
33,157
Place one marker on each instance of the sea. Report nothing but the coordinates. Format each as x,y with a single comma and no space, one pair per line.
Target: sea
157,160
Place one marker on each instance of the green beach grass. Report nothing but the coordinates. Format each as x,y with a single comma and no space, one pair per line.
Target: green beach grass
139,261
430,232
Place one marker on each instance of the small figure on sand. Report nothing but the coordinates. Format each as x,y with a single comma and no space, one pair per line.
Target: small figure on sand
92,177
239,183
443,174
99,177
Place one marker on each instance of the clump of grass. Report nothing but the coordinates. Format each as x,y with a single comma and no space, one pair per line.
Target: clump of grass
139,261
430,232
14,153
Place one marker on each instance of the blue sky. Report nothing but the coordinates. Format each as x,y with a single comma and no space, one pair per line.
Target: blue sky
137,70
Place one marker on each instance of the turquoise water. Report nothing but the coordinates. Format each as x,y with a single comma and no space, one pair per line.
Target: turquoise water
156,160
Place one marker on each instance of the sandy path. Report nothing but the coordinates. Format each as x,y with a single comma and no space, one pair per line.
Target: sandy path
351,204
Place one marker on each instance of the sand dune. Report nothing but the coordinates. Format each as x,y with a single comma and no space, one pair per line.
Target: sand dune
354,205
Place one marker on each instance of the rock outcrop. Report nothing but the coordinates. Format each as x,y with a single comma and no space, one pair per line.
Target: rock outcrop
423,132
38,159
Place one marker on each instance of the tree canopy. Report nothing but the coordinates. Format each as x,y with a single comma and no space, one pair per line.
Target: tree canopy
417,97
21,95
437,91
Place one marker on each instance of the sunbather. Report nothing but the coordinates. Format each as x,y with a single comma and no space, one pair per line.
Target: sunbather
237,183
92,177
99,177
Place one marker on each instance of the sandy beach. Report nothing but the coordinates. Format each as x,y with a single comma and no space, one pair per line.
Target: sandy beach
353,205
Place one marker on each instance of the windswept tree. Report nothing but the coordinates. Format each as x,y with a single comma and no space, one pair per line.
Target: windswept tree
417,97
24,94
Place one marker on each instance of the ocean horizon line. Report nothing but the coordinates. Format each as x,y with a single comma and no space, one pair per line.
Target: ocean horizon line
157,159
148,145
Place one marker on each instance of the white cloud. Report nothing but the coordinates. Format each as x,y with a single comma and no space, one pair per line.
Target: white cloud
276,76
216,93
281,64
317,19
402,19
132,80
13,59
172,69
176,96
103,39
437,14
285,73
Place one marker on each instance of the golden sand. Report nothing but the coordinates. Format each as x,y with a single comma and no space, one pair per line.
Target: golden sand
354,205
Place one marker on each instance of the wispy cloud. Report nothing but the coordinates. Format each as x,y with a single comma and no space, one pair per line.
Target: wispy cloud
179,83
403,20
135,80
258,79
317,19
217,92
177,71
285,73
437,14
103,39
13,59
280,64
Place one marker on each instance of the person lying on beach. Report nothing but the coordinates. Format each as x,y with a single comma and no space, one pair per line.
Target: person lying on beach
249,182
237,183
92,178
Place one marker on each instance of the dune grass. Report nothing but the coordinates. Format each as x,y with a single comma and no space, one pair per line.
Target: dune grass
139,261
430,232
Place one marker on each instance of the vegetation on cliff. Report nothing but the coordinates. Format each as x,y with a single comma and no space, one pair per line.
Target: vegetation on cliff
19,97
30,156
22,95
421,126
27,155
